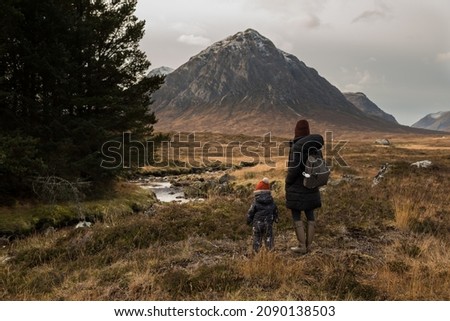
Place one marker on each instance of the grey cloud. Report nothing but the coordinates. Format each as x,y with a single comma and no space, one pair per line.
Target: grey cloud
311,22
308,21
443,57
370,15
194,40
381,11
306,11
188,28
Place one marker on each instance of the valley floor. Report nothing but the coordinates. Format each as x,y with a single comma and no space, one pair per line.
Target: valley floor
388,241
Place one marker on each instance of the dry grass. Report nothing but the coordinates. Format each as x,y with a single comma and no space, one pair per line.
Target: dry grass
417,269
388,242
413,203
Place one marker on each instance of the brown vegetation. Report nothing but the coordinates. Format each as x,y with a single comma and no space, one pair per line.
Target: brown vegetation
383,242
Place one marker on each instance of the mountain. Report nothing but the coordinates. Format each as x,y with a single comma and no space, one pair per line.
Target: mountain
160,71
437,121
244,84
367,106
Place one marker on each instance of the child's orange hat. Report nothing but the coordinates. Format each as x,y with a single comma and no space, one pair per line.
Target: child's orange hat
263,185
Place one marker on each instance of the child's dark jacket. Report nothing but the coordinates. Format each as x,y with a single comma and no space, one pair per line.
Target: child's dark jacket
263,209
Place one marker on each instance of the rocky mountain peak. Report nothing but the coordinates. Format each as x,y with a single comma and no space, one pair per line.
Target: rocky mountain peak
239,42
244,80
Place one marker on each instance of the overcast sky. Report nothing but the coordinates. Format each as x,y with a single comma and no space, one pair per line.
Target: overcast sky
397,52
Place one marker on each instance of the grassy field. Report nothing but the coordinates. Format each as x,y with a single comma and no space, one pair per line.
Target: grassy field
383,242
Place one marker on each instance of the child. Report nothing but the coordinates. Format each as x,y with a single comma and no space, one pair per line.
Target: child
262,213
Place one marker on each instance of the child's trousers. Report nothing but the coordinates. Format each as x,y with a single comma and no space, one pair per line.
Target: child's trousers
262,230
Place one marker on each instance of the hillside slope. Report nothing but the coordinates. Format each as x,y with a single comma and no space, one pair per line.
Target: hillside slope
437,121
363,103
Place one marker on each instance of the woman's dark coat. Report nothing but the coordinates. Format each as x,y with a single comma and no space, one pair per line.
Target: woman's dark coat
298,197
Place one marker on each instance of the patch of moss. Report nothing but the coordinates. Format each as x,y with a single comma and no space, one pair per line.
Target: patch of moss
23,220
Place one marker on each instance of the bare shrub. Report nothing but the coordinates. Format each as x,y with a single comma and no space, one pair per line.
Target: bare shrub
52,189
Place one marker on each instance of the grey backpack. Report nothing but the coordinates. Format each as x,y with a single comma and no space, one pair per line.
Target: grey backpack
316,172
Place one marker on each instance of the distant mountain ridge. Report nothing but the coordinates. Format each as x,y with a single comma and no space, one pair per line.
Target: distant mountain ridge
364,104
436,121
244,84
160,71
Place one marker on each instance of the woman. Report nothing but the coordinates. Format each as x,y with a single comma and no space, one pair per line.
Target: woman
298,197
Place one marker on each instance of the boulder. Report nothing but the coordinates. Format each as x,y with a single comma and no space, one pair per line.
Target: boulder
383,141
345,178
422,164
83,224
224,179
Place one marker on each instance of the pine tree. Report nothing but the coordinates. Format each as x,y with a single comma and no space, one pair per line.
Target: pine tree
72,77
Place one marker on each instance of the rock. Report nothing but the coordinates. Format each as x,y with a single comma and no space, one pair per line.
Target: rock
383,141
345,178
248,164
335,182
196,189
422,164
383,170
224,179
176,183
49,230
83,224
351,178
153,209
4,241
4,259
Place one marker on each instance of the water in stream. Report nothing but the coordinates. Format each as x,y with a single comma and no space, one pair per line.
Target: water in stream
165,191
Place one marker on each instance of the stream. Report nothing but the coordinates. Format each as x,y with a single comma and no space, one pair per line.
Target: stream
188,187
165,191
170,188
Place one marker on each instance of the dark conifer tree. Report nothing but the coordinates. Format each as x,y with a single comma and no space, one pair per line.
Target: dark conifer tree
72,77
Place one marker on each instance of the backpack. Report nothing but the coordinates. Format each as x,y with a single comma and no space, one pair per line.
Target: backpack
316,172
